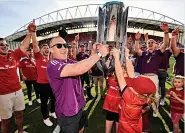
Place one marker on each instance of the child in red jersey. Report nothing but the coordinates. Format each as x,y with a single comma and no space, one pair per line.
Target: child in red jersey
176,96
113,98
111,103
135,92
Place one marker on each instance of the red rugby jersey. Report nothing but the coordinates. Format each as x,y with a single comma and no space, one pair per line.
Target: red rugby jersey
28,67
112,98
9,80
41,65
176,106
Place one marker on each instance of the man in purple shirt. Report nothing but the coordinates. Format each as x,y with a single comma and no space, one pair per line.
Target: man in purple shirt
63,75
150,60
179,56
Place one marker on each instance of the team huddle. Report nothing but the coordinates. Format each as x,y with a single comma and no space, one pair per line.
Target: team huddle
58,72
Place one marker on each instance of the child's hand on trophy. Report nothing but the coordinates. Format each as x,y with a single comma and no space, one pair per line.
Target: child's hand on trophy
126,51
116,53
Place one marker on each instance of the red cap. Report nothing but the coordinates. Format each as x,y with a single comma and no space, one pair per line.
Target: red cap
142,85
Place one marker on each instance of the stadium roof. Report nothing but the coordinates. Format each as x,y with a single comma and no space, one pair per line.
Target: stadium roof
85,16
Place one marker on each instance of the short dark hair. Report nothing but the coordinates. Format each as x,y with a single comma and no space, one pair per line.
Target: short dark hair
2,39
42,45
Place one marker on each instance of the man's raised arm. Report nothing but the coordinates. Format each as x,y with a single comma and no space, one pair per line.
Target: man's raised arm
174,48
137,48
165,44
84,65
25,43
129,65
146,37
35,43
75,46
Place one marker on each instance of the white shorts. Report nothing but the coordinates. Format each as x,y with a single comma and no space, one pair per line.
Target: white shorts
10,103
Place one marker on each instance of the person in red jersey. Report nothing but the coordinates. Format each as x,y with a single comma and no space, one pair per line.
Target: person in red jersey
176,96
134,94
11,95
112,99
41,56
29,75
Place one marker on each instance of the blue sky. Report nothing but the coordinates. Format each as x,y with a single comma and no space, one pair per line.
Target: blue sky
16,13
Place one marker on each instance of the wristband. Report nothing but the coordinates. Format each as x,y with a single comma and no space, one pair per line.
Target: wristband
127,58
109,58
99,54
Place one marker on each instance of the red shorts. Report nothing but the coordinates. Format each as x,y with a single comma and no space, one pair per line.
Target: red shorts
176,117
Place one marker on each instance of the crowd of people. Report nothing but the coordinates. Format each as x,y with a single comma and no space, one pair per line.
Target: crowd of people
60,72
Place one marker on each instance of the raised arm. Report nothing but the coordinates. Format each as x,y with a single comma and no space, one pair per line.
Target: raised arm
25,43
84,65
146,37
165,44
129,65
32,29
75,46
174,48
118,69
35,43
137,48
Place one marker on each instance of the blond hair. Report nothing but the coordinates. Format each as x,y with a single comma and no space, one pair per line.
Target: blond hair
178,77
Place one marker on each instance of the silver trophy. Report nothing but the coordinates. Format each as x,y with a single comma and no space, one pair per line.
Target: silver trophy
112,25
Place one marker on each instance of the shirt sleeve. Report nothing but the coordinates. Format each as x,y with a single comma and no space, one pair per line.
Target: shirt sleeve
17,54
55,68
178,55
159,52
37,55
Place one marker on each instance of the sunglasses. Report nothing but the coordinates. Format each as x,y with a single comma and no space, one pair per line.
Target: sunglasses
58,45
2,44
151,42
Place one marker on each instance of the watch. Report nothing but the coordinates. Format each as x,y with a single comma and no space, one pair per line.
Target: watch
99,54
109,58
127,58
